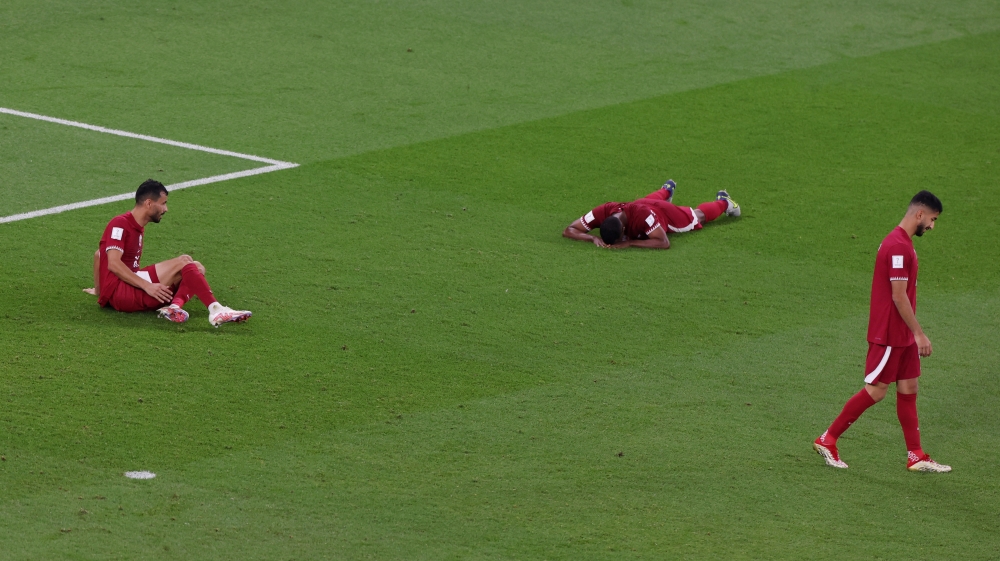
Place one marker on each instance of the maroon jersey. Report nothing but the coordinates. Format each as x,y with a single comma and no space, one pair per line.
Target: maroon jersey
124,234
896,261
641,220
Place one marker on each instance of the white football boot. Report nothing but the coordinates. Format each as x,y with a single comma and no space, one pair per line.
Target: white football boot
173,313
925,463
733,209
219,314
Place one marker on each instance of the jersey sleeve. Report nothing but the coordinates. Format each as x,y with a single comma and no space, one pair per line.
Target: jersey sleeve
649,221
115,236
899,262
594,218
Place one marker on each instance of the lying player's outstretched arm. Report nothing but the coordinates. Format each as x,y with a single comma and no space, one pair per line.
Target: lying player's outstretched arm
154,289
577,231
657,240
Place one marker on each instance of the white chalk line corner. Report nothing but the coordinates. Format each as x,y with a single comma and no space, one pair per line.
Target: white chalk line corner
272,165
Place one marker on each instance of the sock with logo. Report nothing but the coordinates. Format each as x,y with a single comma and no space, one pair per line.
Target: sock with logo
193,283
852,410
713,209
906,411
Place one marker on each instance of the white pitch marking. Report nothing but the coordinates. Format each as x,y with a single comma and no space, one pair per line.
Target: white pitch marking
127,196
140,474
275,165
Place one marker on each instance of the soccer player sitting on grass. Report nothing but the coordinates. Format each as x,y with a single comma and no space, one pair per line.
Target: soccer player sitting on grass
895,339
166,286
645,222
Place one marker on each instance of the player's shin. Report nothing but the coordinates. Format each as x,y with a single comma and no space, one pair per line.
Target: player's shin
713,209
852,410
906,411
193,283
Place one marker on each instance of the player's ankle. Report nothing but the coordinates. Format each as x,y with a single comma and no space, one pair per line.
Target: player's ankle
214,306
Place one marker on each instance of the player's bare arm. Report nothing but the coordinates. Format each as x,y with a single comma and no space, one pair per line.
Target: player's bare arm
156,290
577,231
96,290
906,312
657,240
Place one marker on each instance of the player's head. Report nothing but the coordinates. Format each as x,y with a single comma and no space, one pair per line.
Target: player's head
152,197
611,229
924,208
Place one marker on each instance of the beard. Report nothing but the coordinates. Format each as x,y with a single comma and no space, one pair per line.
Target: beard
156,218
920,230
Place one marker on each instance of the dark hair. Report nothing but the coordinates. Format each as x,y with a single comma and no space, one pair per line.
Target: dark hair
150,189
611,229
927,199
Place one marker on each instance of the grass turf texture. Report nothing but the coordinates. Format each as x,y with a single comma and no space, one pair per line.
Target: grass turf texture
433,373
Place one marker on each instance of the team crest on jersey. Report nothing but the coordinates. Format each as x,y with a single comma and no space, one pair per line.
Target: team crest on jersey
897,261
116,233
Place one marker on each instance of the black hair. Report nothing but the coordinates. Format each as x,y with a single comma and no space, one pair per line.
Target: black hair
927,199
150,189
611,229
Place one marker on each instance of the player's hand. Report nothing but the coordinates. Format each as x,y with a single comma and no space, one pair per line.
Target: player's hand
923,345
599,242
160,292
91,291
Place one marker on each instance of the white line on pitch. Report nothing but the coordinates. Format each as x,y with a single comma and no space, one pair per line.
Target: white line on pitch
127,196
275,165
140,136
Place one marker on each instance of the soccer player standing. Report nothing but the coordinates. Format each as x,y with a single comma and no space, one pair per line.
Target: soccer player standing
165,286
895,339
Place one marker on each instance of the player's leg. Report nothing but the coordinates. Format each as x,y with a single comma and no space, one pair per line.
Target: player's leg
665,193
880,364
826,444
169,271
906,411
129,299
193,283
679,219
711,210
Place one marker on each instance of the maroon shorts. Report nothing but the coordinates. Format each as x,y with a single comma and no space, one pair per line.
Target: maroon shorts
889,364
128,298
679,218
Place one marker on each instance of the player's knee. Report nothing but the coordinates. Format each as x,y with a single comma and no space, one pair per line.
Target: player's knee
200,266
877,393
185,259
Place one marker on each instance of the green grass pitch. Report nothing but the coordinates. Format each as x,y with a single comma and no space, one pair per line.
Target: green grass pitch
431,371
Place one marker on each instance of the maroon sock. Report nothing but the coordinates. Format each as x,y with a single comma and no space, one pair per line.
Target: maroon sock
193,283
906,410
713,209
852,410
